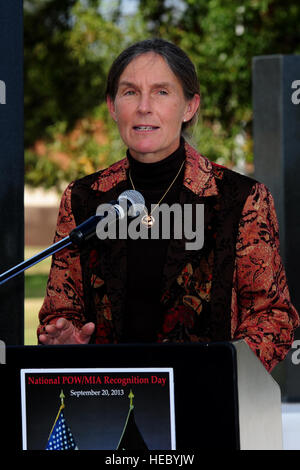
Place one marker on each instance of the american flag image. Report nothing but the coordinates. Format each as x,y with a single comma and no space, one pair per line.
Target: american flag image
61,437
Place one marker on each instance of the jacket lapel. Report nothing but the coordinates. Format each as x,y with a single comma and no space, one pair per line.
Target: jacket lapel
178,256
113,261
199,187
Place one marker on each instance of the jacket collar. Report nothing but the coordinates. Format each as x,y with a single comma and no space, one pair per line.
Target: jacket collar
199,176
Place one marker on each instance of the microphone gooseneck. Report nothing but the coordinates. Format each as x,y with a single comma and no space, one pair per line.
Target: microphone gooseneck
130,201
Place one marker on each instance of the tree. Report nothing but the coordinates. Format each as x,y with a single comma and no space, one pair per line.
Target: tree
222,37
68,47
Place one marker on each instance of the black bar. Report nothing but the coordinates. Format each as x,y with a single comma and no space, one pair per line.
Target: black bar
11,168
277,164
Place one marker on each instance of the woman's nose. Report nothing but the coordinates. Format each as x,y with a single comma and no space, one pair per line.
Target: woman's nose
144,104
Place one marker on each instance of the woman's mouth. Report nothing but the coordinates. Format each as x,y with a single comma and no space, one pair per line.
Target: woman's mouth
144,128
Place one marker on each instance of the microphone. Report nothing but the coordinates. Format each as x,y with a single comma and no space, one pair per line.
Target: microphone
134,204
130,201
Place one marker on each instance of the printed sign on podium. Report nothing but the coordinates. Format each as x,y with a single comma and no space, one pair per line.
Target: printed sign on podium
97,409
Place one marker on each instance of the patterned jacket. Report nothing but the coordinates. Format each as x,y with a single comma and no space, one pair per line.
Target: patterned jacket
234,287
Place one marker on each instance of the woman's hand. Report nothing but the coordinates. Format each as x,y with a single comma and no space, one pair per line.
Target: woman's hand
64,332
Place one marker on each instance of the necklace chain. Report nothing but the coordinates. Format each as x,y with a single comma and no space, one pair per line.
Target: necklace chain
148,219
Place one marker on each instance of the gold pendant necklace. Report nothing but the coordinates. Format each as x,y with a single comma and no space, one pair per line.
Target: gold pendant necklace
148,220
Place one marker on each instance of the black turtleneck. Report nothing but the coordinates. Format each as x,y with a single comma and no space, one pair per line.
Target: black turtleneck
146,258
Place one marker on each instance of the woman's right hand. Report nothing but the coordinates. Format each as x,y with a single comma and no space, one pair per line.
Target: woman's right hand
64,332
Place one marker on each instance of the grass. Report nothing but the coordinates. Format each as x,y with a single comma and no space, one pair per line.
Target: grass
32,307
35,287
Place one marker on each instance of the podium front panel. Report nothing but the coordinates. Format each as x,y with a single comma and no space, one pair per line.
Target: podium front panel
205,387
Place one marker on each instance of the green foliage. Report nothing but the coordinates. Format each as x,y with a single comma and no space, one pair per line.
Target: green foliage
35,285
42,171
69,46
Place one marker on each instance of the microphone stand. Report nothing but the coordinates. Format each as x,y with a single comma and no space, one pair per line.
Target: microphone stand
81,233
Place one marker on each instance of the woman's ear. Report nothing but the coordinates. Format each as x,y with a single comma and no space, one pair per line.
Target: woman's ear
111,108
192,107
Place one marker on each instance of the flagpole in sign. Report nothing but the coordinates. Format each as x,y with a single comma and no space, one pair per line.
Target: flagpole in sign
61,396
131,397
62,405
131,437
61,437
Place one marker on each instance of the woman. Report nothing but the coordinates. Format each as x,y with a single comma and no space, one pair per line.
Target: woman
155,290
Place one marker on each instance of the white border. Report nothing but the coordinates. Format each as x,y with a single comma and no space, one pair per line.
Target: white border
147,370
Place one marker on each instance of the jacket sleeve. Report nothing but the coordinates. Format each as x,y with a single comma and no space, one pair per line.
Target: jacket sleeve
262,312
64,293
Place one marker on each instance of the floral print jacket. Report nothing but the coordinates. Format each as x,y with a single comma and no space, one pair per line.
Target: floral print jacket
234,287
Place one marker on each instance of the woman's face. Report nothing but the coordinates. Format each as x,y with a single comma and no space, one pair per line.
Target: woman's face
150,107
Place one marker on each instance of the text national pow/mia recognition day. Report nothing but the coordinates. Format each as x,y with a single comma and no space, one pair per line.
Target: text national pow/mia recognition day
95,380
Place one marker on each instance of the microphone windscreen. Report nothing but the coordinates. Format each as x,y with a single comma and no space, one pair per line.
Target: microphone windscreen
134,201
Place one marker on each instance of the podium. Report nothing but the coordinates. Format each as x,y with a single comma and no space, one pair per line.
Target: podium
223,396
